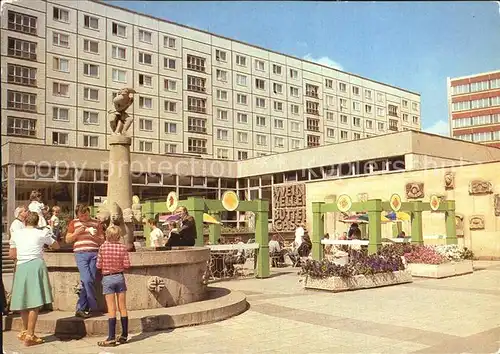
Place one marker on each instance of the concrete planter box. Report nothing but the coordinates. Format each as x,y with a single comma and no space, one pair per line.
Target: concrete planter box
337,284
443,270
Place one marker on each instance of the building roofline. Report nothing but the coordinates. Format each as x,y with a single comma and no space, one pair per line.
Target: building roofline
106,3
473,75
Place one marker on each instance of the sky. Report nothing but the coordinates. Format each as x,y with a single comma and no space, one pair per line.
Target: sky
412,45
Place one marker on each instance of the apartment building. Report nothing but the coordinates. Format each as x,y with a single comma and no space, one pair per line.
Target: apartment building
474,108
197,93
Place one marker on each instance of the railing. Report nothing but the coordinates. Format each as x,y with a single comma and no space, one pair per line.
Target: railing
7,263
231,261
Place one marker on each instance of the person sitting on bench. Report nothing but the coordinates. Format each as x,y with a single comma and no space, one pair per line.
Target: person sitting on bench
186,234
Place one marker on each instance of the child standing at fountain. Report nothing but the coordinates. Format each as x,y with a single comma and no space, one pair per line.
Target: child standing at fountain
113,259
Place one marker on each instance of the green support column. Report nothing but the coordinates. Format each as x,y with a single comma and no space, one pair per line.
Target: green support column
262,238
196,208
318,229
149,212
374,211
417,233
451,227
214,229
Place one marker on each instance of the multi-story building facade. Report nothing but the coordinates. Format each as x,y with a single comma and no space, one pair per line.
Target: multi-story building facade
474,108
197,93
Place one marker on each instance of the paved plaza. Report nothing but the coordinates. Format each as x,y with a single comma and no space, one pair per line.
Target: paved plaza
453,315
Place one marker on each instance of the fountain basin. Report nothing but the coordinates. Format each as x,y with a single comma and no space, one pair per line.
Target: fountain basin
156,279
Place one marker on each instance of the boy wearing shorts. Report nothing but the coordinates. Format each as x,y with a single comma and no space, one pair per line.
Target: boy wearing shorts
113,259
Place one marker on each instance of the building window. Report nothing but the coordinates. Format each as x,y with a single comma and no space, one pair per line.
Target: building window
380,97
145,58
61,64
59,89
21,126
380,112
415,120
145,102
404,103
294,74
259,65
60,114
313,124
344,135
90,94
294,108
221,75
145,146
277,69
260,102
90,46
242,137
261,140
119,30
242,118
278,106
21,101
222,95
356,136
220,55
355,90
330,132
197,145
329,83
312,107
414,106
405,117
145,80
393,124
295,126
242,155
312,91
21,49
145,36
170,106
295,144
279,142
368,94
195,63
90,22
356,121
197,125
222,134
312,140
169,63
343,103
241,80
380,126
368,109
170,148
90,117
279,124
222,114
197,105
170,85
294,91
21,75
342,87
196,84
118,52
277,88
93,71
241,99
170,128
222,154
60,39
369,124
330,116
393,110
330,100
241,60
343,119
169,42
61,15
22,23
146,125
90,141
260,121
260,84
356,106
59,138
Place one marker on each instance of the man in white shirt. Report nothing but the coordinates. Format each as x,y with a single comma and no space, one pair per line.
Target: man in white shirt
20,214
299,234
156,237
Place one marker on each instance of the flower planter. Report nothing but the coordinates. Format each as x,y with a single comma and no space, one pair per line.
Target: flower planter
443,270
337,284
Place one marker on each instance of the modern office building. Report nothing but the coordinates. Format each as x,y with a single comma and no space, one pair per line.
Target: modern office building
474,108
197,93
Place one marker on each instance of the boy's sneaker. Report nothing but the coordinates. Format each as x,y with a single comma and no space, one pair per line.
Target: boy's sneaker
82,314
121,340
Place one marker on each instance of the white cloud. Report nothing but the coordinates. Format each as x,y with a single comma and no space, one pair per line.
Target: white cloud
324,61
440,128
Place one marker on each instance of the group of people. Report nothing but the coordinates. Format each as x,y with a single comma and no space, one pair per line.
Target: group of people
178,233
301,247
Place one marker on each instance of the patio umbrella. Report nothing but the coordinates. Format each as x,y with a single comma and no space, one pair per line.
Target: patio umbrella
362,219
399,216
208,219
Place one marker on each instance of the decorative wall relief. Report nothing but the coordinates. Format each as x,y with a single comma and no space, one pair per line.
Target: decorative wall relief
362,197
480,187
459,224
496,204
289,205
449,180
476,222
414,190
156,284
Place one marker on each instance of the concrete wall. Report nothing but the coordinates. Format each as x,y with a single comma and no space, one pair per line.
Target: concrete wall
484,243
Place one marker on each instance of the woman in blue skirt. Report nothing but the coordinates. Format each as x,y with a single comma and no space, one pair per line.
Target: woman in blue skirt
31,287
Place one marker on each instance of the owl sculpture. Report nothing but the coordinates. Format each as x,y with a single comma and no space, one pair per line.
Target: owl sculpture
122,121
